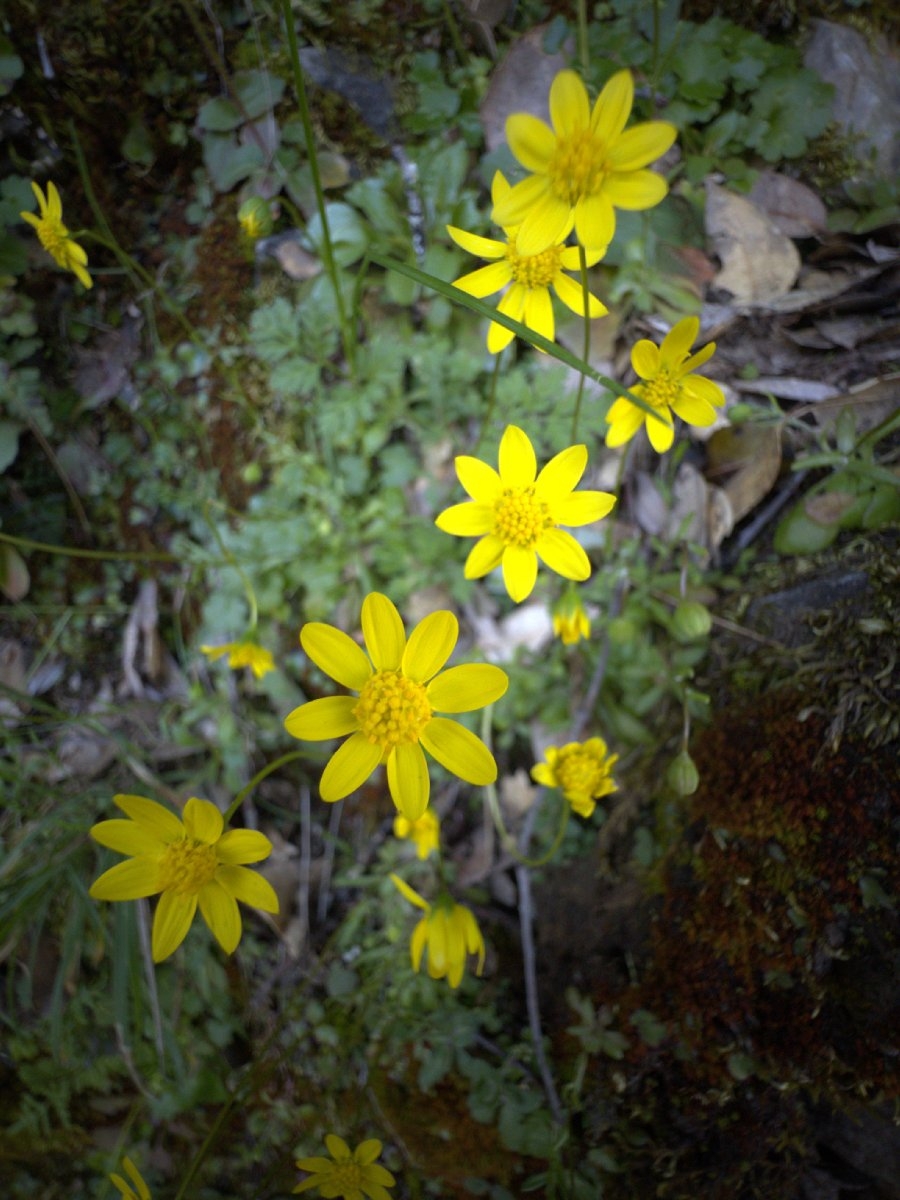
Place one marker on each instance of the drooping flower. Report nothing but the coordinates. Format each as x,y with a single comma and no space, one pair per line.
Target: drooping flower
448,930
351,1176
425,833
137,1189
400,687
244,653
582,771
527,278
668,386
517,513
570,622
190,862
583,168
54,236
255,218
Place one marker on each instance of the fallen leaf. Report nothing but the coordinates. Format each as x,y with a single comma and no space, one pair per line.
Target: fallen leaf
793,208
521,83
14,578
786,387
759,264
748,459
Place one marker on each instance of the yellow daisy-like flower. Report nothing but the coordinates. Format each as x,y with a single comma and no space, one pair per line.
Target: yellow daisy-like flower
582,770
583,168
352,1176
450,932
137,1189
54,236
528,279
425,833
668,386
516,514
243,654
400,687
570,622
191,862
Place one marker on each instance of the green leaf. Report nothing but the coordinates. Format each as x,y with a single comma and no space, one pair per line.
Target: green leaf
258,91
219,115
295,377
227,162
9,443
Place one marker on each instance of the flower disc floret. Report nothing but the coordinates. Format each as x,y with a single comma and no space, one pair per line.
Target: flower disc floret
400,690
581,770
669,385
526,279
516,513
583,168
189,863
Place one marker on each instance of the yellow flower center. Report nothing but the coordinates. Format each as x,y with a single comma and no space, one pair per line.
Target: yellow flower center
54,237
186,866
392,710
580,773
345,1177
663,391
578,166
534,270
520,517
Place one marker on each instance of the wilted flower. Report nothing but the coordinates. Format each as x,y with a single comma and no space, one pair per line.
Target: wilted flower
137,1189
400,687
255,218
244,653
448,930
191,862
425,832
570,622
582,771
55,237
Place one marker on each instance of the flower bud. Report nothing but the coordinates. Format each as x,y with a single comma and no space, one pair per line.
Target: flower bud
682,776
691,621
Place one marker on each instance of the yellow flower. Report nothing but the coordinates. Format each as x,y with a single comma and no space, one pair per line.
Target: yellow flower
668,386
583,168
450,932
54,236
426,832
393,717
137,1189
255,218
582,770
351,1176
516,514
243,654
529,277
570,622
191,862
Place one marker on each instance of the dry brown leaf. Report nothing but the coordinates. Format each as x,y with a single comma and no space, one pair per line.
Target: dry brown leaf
521,83
788,387
759,264
793,208
748,457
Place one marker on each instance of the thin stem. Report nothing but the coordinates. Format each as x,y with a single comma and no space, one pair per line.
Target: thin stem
143,924
107,555
258,778
523,882
309,138
582,35
334,824
586,352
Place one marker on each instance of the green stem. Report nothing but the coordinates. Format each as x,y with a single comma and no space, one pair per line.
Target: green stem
309,137
586,353
258,778
108,555
583,53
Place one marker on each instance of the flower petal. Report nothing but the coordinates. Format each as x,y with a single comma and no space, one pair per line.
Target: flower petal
518,464
220,912
410,893
321,720
624,419
693,409
238,846
519,572
459,751
337,1148
484,556
703,355
336,653
520,200
698,387
561,474
634,190
570,111
417,943
130,880
366,1152
641,145
531,141
498,337
171,921
480,480
645,360
481,246
546,223
613,107
465,688
661,435
349,767
485,281
572,295
249,887
583,508
595,220
203,821
467,519
678,341
408,782
430,645
563,554
127,837
538,312
383,631
151,816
